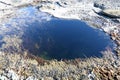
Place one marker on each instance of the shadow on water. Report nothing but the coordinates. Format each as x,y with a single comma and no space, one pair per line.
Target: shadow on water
64,39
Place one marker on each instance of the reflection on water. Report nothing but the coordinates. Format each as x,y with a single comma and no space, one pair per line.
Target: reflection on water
53,38
64,39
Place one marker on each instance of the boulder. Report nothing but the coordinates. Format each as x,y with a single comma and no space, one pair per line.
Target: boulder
111,13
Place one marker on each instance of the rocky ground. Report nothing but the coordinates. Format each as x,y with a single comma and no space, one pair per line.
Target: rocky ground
29,67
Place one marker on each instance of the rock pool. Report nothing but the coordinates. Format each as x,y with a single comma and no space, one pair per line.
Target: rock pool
54,38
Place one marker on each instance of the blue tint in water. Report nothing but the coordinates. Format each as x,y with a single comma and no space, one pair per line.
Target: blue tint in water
54,38
66,39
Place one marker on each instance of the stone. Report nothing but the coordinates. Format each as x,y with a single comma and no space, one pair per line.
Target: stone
3,77
118,77
112,13
31,78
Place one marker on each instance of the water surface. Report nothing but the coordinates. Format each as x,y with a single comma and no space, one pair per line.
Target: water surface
65,39
43,35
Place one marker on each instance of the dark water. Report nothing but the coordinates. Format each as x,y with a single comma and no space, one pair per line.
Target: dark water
65,39
54,38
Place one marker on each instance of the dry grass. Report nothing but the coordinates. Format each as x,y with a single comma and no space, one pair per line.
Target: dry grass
105,68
